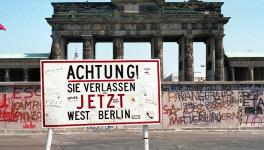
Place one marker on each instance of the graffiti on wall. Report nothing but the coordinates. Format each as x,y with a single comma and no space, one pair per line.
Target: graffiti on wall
223,105
20,106
196,105
200,106
252,104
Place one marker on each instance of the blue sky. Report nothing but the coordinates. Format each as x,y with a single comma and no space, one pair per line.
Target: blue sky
28,32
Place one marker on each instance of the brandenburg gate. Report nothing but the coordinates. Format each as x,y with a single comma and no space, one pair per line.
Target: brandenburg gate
154,21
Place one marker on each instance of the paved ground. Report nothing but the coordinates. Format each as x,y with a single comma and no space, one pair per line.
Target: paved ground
191,140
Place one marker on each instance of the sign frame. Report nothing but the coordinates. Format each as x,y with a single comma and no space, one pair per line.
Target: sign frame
45,125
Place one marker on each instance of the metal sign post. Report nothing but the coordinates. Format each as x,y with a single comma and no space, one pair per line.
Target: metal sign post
49,139
145,137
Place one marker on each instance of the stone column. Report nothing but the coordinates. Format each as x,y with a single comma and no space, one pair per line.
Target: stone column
188,58
233,78
7,77
210,59
219,58
63,48
152,44
157,51
25,74
88,47
56,48
181,59
94,45
118,47
251,71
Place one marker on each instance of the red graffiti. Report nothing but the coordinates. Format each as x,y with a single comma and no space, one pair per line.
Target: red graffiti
196,118
170,111
29,125
24,93
3,104
20,106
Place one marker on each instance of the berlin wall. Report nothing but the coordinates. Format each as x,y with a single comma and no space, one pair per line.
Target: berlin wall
213,105
184,105
20,107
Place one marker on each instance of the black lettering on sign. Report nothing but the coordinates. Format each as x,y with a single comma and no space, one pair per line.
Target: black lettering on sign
114,114
78,115
70,73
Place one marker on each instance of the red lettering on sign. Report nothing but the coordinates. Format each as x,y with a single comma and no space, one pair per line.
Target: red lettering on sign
90,100
105,100
110,100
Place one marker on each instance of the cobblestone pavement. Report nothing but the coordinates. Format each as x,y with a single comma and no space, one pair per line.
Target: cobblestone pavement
190,140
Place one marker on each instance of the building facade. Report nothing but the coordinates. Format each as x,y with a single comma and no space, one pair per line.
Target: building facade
20,67
245,66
